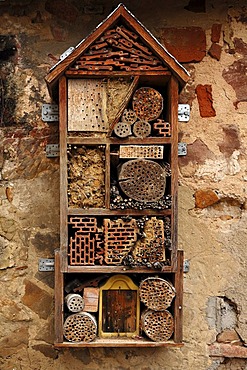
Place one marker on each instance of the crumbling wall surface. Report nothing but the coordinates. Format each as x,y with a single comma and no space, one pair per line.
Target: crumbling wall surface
210,39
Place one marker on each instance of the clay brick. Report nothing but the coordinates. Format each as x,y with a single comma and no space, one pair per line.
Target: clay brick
227,350
205,100
215,51
229,336
205,198
187,44
197,152
215,32
236,77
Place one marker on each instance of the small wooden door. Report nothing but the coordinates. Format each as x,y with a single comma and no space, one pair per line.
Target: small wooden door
119,310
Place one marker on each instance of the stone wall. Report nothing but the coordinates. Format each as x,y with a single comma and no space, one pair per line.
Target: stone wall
210,39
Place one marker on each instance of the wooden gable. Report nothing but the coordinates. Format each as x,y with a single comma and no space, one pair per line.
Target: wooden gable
120,45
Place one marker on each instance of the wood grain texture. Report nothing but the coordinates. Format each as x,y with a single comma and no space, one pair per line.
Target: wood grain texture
63,171
178,304
58,291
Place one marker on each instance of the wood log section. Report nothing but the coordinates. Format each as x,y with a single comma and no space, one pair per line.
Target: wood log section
129,116
147,103
157,325
75,302
142,180
122,129
80,327
141,129
156,293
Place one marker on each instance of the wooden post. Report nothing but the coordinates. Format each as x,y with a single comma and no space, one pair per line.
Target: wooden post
63,172
178,305
59,287
173,119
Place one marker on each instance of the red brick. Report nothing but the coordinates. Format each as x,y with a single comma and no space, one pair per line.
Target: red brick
187,44
229,336
205,198
197,152
215,51
227,350
215,32
205,100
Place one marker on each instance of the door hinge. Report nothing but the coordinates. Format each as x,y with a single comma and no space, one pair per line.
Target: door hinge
46,264
66,53
52,150
182,149
50,113
186,266
183,112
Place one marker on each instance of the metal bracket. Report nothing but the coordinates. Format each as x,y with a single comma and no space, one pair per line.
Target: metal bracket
182,149
186,266
52,150
46,264
66,53
50,112
183,112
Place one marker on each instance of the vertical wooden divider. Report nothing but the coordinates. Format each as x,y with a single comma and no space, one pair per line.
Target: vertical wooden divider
173,119
178,305
63,172
107,175
59,287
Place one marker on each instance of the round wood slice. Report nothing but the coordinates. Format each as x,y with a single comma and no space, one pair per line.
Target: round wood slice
129,116
122,129
142,180
141,129
75,302
80,327
157,325
156,293
147,103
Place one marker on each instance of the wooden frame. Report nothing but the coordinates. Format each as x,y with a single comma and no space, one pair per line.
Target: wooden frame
168,78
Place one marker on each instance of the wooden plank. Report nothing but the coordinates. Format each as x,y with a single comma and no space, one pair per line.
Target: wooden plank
178,304
99,342
173,119
124,104
78,74
91,299
124,212
63,171
107,176
58,292
116,269
103,140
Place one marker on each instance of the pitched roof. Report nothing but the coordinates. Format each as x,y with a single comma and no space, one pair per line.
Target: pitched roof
82,55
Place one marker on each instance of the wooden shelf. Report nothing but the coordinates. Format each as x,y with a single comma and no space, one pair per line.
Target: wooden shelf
118,212
115,342
117,269
78,140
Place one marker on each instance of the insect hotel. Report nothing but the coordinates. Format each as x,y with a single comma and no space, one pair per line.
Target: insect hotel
118,271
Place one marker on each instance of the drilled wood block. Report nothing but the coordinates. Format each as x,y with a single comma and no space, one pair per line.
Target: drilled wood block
87,100
129,116
91,299
156,293
141,129
157,325
75,302
142,180
141,151
122,129
80,327
120,236
147,103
